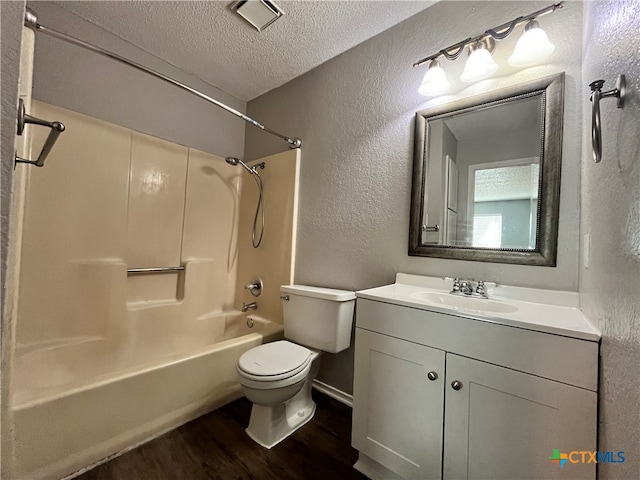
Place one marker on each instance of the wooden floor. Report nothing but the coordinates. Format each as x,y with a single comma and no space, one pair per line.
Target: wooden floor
215,446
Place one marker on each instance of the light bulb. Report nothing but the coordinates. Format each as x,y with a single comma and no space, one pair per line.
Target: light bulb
532,47
479,65
434,81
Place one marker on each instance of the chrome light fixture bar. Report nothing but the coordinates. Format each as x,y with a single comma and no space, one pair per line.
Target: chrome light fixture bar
532,48
500,32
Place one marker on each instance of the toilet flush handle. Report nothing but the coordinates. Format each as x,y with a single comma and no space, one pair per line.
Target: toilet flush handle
284,297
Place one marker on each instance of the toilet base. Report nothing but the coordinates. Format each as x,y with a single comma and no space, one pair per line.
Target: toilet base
269,425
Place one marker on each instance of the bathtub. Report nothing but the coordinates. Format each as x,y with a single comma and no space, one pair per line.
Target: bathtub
70,410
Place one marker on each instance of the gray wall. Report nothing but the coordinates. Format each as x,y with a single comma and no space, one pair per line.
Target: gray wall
355,116
73,78
12,14
516,217
611,216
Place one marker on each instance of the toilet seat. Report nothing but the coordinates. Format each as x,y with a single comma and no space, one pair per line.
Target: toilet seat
268,383
274,361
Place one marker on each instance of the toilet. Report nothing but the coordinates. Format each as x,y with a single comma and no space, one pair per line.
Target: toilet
277,377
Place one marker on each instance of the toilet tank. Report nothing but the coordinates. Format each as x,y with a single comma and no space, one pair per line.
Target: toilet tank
317,317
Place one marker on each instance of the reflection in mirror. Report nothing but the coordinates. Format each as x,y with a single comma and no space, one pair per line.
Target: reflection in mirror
486,176
483,176
503,204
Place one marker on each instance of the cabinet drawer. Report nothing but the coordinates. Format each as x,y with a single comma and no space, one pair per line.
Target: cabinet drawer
555,357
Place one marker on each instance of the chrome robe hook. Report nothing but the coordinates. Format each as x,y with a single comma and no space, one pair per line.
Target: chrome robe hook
596,95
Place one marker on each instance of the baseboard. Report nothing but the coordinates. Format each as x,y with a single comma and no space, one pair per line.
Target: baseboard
333,392
373,470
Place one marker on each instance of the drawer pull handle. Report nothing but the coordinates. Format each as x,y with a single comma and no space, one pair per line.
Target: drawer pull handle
456,385
432,376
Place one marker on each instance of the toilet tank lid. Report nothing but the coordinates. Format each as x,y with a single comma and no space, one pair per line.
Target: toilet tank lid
319,292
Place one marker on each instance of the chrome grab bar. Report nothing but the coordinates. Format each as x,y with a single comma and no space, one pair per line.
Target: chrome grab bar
56,129
435,228
142,271
596,95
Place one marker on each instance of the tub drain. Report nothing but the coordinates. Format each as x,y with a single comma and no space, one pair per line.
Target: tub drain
250,322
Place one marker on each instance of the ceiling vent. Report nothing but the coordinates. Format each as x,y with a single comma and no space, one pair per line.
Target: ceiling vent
259,13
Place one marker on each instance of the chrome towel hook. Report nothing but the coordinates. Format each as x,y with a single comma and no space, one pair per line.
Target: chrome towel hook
56,129
596,95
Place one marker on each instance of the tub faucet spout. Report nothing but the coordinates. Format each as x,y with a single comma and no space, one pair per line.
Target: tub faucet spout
249,306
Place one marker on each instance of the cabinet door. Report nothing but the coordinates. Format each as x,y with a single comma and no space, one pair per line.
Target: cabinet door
397,409
504,424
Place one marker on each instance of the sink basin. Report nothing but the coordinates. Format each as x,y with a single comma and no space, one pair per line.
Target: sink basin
478,305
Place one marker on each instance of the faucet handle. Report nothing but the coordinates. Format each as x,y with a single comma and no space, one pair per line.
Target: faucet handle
255,287
456,285
481,289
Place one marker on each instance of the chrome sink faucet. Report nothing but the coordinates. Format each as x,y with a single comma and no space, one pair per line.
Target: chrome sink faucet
465,287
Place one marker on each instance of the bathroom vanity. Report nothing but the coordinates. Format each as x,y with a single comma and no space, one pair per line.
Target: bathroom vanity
452,387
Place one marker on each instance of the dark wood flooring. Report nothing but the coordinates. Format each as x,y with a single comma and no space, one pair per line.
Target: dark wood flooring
215,446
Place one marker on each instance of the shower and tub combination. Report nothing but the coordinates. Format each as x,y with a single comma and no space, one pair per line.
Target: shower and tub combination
127,319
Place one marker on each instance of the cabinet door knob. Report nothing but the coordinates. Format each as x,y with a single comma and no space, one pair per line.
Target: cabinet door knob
432,376
456,385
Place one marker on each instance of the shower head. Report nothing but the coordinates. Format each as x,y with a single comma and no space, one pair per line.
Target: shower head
237,161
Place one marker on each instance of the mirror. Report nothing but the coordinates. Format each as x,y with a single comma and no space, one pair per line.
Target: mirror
486,176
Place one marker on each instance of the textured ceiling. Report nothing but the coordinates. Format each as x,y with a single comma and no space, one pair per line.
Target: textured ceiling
210,41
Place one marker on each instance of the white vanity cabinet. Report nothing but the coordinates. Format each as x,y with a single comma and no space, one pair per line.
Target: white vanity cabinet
444,396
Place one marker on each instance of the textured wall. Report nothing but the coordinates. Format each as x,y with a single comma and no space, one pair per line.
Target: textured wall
12,16
611,215
355,116
73,78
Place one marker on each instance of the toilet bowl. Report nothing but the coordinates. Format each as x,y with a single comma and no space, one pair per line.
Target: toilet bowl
277,377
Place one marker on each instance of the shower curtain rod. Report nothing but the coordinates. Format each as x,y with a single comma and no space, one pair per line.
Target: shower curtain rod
31,21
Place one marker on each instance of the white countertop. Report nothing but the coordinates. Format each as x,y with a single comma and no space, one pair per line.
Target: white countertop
547,311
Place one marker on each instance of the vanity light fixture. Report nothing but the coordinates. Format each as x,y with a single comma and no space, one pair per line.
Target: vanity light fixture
435,80
532,48
480,64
